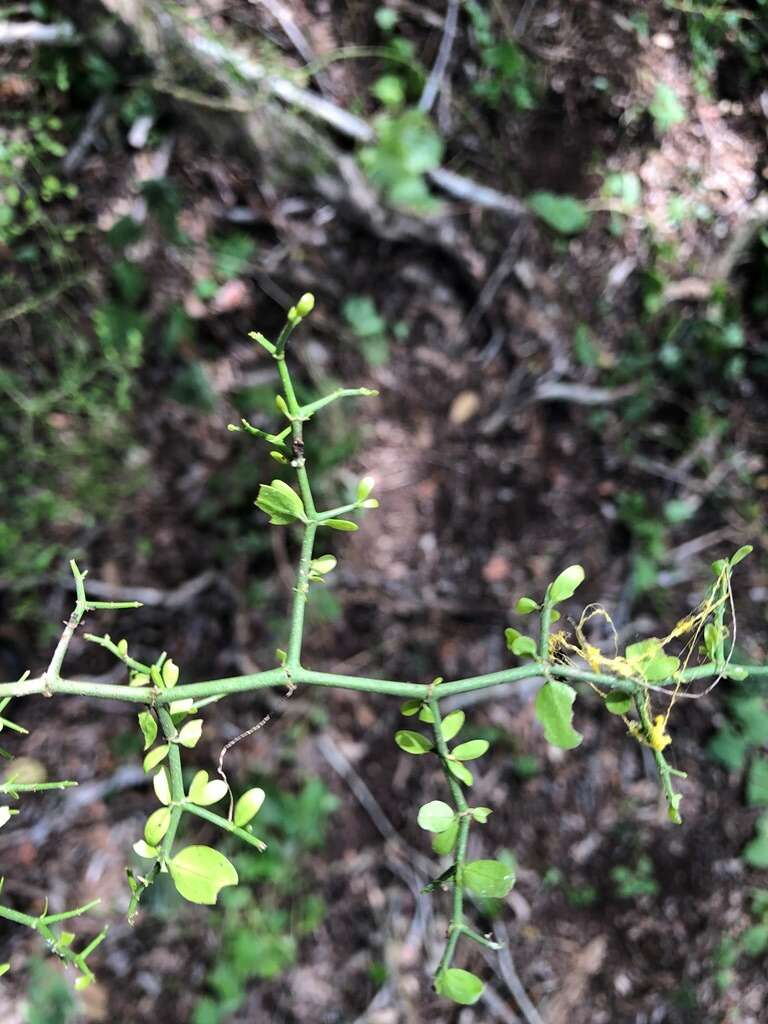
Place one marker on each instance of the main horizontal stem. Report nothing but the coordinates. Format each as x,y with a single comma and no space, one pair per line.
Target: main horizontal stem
393,688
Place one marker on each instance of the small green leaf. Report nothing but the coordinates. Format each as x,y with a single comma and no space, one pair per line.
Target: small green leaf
170,673
452,725
162,786
470,751
181,707
364,488
526,605
281,503
460,772
480,814
436,816
410,707
510,635
563,213
280,401
143,849
248,806
524,645
618,702
566,584
190,733
426,714
200,872
345,525
459,985
157,825
741,554
82,982
148,726
323,564
204,793
154,757
648,658
412,742
554,709
444,842
489,878
4,968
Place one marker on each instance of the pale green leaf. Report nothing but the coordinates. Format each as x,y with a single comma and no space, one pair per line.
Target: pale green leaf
460,772
459,985
143,849
190,733
554,709
488,878
566,584
204,793
470,750
248,806
162,786
452,725
618,702
281,503
200,872
436,816
157,825
444,842
154,757
345,525
148,726
412,742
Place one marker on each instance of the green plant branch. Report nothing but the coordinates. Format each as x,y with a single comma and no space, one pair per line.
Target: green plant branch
386,687
176,779
456,925
60,944
225,825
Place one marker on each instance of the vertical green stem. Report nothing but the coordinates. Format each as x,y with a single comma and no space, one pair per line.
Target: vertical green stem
301,589
53,672
300,595
545,622
460,803
176,779
662,766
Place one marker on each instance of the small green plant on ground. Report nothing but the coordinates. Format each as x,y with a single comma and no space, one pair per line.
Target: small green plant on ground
737,745
507,75
633,881
644,686
752,941
370,329
719,28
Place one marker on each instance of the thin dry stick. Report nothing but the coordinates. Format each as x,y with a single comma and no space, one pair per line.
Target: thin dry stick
435,80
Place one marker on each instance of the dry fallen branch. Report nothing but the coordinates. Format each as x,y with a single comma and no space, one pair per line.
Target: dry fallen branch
36,34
